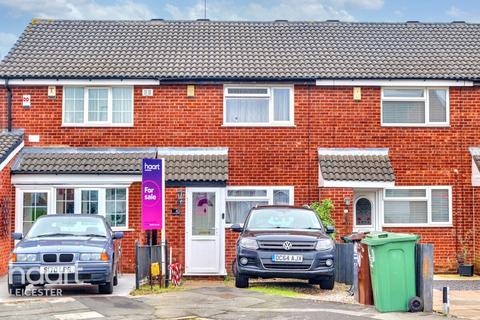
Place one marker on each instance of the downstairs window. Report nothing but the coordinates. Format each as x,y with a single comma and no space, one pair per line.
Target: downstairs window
417,206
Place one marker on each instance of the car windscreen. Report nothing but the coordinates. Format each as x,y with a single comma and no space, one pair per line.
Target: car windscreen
68,226
282,218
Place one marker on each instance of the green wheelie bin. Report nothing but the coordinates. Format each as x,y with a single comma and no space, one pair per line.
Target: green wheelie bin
392,268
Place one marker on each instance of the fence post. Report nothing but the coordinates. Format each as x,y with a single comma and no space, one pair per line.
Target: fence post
424,271
137,280
167,269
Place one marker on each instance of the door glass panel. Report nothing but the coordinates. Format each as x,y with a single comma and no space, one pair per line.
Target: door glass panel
363,210
203,213
35,204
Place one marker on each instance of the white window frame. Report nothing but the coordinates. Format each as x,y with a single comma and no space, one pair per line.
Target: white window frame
271,122
425,99
86,122
427,198
268,197
51,191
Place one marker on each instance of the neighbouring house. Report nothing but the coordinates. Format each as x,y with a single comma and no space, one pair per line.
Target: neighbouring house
381,118
10,145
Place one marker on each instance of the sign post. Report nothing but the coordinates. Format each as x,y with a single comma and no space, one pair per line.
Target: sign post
153,200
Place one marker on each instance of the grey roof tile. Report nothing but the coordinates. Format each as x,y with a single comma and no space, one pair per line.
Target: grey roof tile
198,167
8,143
244,50
356,168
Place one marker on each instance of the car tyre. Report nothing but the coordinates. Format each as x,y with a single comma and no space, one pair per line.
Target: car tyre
241,281
327,283
115,280
12,290
106,288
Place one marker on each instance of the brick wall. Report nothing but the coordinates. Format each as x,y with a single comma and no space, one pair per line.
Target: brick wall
6,223
324,117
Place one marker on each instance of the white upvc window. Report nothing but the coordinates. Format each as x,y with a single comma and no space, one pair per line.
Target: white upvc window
97,106
258,105
240,200
415,107
108,201
417,206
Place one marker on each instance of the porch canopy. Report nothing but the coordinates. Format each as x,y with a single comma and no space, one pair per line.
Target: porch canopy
183,166
355,167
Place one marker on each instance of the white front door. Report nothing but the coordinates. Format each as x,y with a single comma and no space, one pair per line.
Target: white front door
205,231
365,217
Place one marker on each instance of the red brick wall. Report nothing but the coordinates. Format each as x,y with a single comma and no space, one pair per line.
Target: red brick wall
6,194
324,117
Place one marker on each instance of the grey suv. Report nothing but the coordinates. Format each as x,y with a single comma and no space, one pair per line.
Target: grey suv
284,242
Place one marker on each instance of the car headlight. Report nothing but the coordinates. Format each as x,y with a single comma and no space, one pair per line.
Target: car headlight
324,244
26,257
249,243
90,256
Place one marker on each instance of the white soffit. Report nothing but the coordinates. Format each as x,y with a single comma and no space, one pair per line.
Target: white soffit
395,83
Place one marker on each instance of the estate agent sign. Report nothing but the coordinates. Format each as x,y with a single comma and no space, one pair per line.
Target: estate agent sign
153,194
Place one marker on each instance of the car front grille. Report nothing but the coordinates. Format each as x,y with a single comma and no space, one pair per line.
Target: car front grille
286,266
50,257
66,257
62,257
278,245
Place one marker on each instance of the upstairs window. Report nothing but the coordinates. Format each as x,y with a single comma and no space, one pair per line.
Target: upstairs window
103,106
258,106
415,107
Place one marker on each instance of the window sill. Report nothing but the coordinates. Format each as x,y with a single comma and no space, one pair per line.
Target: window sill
97,125
411,125
122,229
257,125
423,225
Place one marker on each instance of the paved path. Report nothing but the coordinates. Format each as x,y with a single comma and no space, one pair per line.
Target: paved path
464,297
200,303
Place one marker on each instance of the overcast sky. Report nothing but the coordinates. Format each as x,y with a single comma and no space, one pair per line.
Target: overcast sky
16,14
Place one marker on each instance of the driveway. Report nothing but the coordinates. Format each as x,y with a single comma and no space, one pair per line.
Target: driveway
126,283
214,302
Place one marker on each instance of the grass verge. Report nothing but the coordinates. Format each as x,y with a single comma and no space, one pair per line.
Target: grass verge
147,290
269,288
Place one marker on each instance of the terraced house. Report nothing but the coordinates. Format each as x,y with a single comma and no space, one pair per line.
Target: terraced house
382,118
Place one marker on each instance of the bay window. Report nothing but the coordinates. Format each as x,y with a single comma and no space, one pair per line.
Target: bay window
240,200
417,206
103,106
415,107
258,106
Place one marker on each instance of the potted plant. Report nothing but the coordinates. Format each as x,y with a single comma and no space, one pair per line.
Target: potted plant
465,269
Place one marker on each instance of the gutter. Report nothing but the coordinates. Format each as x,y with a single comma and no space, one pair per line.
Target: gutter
9,106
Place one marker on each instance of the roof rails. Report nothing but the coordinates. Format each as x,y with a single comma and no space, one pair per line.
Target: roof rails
203,19
458,21
280,20
156,19
413,21
332,20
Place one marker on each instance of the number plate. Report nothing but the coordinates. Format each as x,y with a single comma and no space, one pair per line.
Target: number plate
57,269
287,258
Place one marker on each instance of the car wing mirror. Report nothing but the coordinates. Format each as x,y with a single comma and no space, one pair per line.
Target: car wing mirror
17,236
236,228
330,229
117,235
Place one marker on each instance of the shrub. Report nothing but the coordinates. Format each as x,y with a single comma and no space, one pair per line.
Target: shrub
324,211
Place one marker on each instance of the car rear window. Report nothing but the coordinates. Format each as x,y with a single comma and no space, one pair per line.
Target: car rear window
282,218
